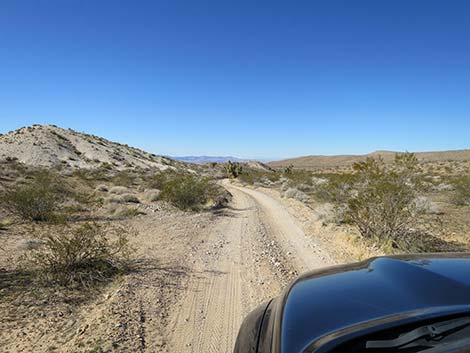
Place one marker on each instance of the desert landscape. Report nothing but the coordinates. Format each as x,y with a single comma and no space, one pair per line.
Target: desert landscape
108,248
234,176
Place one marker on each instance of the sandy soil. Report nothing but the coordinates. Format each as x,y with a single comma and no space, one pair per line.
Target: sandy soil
196,277
254,251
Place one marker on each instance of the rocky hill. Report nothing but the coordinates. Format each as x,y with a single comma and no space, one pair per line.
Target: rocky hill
318,162
49,145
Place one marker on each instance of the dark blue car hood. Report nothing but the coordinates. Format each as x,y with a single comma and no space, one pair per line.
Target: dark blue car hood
321,303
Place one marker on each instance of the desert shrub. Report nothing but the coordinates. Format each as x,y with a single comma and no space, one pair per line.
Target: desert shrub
124,178
128,212
152,195
335,188
31,244
37,201
187,191
5,223
462,190
158,180
116,211
249,178
183,190
130,198
106,166
293,193
102,188
299,176
318,181
327,213
80,255
381,201
100,173
114,199
118,190
257,176
423,205
271,176
83,175
322,187
443,187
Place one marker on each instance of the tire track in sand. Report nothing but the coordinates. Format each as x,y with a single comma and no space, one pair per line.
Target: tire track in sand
229,277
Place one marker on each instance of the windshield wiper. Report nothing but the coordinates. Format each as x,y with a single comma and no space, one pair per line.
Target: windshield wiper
432,332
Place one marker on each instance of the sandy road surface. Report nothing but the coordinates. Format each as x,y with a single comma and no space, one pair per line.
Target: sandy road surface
250,255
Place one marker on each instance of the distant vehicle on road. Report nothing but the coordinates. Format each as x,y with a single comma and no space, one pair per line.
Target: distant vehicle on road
418,303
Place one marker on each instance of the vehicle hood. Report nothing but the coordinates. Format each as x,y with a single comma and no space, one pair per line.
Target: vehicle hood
322,302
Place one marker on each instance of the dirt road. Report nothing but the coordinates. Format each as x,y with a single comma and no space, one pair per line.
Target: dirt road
250,255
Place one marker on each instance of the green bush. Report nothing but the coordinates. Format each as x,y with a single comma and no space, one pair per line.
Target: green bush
38,200
257,176
335,189
158,180
462,190
5,223
381,201
187,191
124,178
80,255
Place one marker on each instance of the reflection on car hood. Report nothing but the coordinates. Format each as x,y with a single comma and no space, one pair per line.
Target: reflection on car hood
322,302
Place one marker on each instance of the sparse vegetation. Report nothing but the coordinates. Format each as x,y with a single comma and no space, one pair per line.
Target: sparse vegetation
80,255
44,299
116,211
37,201
130,198
293,193
119,190
124,178
114,199
299,176
462,190
102,188
257,176
159,179
152,195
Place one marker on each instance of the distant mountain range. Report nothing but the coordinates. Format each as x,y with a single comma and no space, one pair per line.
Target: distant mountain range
209,159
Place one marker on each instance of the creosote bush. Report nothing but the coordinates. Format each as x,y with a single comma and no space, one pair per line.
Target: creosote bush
335,188
158,180
37,201
80,255
381,201
258,176
188,192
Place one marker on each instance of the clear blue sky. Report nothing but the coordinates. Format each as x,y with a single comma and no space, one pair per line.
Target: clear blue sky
245,78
